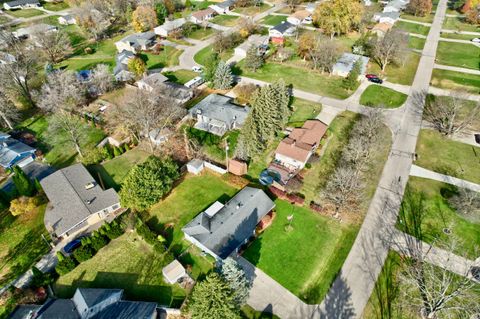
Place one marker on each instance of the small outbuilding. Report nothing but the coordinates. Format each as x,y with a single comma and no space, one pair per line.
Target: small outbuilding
195,166
173,272
237,167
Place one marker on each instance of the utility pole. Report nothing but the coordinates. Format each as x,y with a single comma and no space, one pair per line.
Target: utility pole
226,151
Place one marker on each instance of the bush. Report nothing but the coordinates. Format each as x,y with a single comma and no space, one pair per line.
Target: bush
144,231
23,205
116,151
98,241
112,230
308,165
88,50
40,279
83,253
94,156
64,266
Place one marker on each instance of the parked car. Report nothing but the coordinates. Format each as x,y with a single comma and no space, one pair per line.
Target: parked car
376,80
197,69
475,40
74,244
475,272
369,76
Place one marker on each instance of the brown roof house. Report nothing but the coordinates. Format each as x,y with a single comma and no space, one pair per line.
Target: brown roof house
202,15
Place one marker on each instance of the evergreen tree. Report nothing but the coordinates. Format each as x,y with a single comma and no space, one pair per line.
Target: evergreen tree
253,60
236,279
351,81
211,65
22,182
213,299
223,78
38,186
161,11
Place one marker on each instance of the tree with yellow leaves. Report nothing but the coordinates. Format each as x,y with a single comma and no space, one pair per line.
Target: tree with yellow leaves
338,17
23,205
144,18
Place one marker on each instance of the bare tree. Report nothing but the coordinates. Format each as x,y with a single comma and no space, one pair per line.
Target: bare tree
323,53
67,127
54,45
450,115
8,111
467,204
61,91
292,4
391,48
102,79
92,20
343,188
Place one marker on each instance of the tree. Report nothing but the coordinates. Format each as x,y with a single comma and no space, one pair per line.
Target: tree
212,298
161,12
144,18
62,90
253,60
148,182
247,26
92,20
210,67
472,15
235,277
67,127
40,279
53,45
8,111
283,54
390,48
23,183
137,66
64,266
450,115
245,93
223,78
467,204
343,188
351,81
102,79
323,53
338,16
23,205
419,8
292,4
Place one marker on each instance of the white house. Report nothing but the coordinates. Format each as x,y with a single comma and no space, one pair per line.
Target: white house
395,6
256,40
202,15
21,4
300,17
346,62
169,27
151,81
67,19
223,7
386,17
284,29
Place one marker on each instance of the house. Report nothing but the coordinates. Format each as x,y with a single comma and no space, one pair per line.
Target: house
294,151
395,6
386,17
121,72
14,152
21,4
136,42
256,40
222,229
29,32
310,7
381,28
151,81
89,303
217,114
300,17
67,19
173,272
346,62
76,202
169,27
7,58
202,15
222,7
179,93
278,33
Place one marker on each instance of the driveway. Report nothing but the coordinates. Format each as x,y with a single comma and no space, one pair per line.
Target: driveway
34,170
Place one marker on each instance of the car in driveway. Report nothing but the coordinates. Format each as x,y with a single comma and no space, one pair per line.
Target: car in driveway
376,80
74,244
475,40
196,69
371,76
475,272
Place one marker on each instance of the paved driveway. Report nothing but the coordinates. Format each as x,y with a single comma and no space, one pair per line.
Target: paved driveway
34,170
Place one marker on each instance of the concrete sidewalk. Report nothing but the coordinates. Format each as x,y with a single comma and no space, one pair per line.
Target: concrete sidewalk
425,173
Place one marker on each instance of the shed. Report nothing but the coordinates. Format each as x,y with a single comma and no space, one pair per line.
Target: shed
173,272
195,166
237,167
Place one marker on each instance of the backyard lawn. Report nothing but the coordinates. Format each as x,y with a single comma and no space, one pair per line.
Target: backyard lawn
445,79
25,13
306,259
401,74
458,54
412,27
225,20
416,43
253,10
303,110
55,6
168,57
438,215
383,97
128,263
273,20
458,23
180,76
202,56
458,36
201,33
443,155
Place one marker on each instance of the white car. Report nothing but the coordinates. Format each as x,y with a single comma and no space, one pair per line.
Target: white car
197,69
475,40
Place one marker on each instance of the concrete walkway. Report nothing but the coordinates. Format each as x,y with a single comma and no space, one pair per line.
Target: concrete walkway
460,32
456,69
460,41
425,173
415,22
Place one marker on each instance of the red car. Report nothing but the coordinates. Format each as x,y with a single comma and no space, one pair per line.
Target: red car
370,76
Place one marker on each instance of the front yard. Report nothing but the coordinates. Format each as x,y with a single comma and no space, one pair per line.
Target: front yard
401,74
225,20
252,10
180,76
383,97
446,79
55,6
273,20
412,27
461,55
303,110
25,13
459,24
168,57
201,33
202,56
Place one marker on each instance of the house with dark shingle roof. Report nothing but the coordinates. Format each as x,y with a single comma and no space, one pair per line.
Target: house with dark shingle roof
221,229
21,4
14,152
76,201
222,7
278,33
89,303
136,42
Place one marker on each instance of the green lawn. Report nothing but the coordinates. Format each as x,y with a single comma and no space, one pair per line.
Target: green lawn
201,33
427,19
401,74
58,151
439,215
416,43
273,20
379,96
114,171
52,6
168,57
412,27
253,10
301,78
458,23
225,20
202,56
458,36
455,80
306,259
180,76
21,244
303,110
4,19
458,54
248,312
442,155
25,13
127,263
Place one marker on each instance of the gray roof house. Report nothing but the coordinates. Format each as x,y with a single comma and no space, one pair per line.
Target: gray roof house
284,29
76,201
386,17
14,152
30,31
396,6
222,229
121,71
345,64
21,4
136,42
217,114
151,81
168,27
223,7
89,303
258,41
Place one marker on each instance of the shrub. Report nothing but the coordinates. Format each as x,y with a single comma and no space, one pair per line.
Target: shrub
112,230
23,183
88,50
94,156
127,147
40,279
23,205
98,241
65,266
83,253
202,137
116,151
308,165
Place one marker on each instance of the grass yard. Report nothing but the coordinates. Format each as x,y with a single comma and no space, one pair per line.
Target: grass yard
427,19
273,20
438,214
114,171
25,13
58,6
382,97
458,23
412,27
303,110
401,74
306,259
201,33
446,79
202,56
458,36
309,81
442,155
458,54
225,20
248,312
4,19
253,10
21,244
129,263
416,43
58,151
168,57
180,76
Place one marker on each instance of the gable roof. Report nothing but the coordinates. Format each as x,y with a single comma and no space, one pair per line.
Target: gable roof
154,79
282,27
224,4
58,309
93,297
141,38
23,311
172,25
229,227
70,201
128,310
21,2
302,14
203,13
346,61
11,149
221,108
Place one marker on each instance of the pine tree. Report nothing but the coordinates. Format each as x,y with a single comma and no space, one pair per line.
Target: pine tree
22,182
223,78
161,12
213,299
253,60
351,81
236,279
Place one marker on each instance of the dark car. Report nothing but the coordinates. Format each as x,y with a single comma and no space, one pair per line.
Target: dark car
371,76
376,80
475,271
74,244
